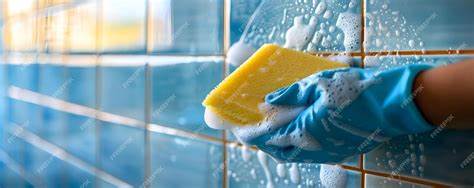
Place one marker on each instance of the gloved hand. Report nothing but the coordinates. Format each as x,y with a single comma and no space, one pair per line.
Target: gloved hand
347,112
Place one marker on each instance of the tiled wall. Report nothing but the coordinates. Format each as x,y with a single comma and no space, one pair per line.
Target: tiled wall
86,104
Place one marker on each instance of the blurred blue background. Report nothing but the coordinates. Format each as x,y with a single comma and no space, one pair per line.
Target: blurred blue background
108,93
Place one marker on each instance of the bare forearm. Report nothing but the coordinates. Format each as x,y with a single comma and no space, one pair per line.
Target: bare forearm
447,95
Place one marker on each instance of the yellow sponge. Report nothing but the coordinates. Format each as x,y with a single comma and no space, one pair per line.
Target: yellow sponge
237,97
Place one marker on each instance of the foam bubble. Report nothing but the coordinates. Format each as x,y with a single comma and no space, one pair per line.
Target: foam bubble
239,52
422,159
294,174
280,169
298,138
349,23
298,35
332,176
275,117
245,153
263,160
411,43
214,121
327,14
320,8
343,87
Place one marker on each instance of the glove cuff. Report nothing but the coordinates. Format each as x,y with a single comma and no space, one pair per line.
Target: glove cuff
400,109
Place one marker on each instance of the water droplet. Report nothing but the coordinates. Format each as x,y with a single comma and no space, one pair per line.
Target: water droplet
411,43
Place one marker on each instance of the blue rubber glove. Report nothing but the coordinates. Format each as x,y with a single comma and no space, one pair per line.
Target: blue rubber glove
347,112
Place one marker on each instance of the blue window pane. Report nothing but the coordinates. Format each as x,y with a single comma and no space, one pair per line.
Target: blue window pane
425,155
3,95
200,163
179,87
187,27
37,166
123,91
335,25
122,152
24,114
240,13
25,76
14,153
377,181
11,178
387,62
82,91
123,26
417,25
80,137
245,170
54,81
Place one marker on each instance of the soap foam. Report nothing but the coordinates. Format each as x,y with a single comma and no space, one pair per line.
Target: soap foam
320,8
245,153
275,117
298,138
298,36
332,176
294,174
342,87
214,121
263,160
349,23
239,52
280,170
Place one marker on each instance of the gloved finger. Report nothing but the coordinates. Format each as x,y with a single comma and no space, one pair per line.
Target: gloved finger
300,93
303,92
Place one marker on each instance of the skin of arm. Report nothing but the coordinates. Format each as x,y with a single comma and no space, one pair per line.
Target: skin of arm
445,95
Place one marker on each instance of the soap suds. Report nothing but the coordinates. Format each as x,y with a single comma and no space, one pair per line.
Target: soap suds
214,121
342,87
239,52
280,170
298,36
294,173
298,138
349,23
262,158
327,14
275,117
332,176
245,153
321,7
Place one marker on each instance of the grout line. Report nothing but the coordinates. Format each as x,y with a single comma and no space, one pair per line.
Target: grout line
98,83
326,54
62,154
224,162
422,52
64,106
147,111
407,179
361,167
148,91
362,49
225,70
